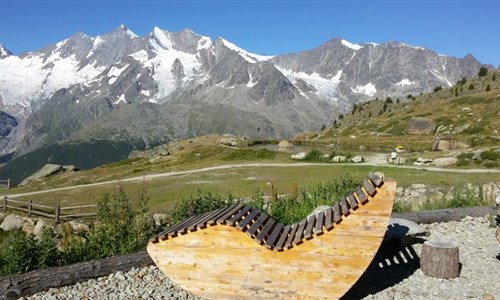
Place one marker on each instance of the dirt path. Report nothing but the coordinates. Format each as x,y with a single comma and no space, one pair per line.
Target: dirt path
253,165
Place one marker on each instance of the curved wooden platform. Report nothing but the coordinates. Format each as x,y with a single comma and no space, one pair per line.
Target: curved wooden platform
238,252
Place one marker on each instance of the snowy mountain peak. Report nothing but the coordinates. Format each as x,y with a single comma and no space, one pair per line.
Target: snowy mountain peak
124,29
250,57
4,52
160,39
351,45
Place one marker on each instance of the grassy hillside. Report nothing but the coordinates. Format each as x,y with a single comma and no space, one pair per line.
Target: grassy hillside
468,112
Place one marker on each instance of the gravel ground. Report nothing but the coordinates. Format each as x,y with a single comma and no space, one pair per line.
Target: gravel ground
394,274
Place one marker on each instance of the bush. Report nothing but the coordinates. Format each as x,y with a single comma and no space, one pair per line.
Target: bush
483,71
488,88
198,205
471,86
19,254
490,155
314,155
437,89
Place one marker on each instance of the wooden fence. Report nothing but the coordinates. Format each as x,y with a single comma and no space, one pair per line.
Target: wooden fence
5,183
56,212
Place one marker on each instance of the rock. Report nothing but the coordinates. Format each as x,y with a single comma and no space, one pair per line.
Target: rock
317,210
423,161
357,159
69,168
2,217
160,219
338,158
445,161
45,171
37,231
78,227
362,147
421,126
285,144
152,153
398,228
228,140
12,222
460,129
299,156
27,228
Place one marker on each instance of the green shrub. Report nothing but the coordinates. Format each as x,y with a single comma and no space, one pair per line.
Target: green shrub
314,155
490,155
19,254
197,205
461,197
483,71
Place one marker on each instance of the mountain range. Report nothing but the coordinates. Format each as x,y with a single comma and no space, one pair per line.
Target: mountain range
168,85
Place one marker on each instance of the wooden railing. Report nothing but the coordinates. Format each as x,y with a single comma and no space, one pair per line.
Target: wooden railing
5,183
56,212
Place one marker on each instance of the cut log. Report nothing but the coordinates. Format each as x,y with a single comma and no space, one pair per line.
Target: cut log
440,259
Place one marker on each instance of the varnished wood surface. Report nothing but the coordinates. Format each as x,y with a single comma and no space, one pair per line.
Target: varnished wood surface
222,262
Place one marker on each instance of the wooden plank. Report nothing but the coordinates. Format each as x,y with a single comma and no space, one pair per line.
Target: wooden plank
289,240
192,225
375,179
308,234
229,214
265,230
273,237
203,223
320,218
239,215
352,201
243,224
300,232
362,197
283,237
337,213
257,224
213,220
329,219
370,189
343,206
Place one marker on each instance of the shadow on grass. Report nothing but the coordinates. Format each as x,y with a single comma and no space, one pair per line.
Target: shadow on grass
393,263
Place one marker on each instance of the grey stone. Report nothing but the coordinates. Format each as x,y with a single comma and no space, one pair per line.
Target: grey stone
299,156
445,161
37,231
417,125
45,171
160,219
357,159
285,144
12,222
79,227
338,158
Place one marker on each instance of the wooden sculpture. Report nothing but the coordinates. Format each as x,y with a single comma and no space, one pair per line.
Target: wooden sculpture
239,252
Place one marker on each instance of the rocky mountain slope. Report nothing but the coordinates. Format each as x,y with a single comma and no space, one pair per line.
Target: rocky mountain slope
169,85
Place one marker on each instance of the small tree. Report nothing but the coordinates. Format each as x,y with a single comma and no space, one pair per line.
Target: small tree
471,86
409,96
397,100
494,77
463,81
483,71
388,100
437,89
488,88
323,127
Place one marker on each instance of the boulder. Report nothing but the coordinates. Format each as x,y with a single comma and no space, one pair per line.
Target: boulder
317,210
399,228
338,158
79,227
27,228
37,231
357,159
2,217
299,156
228,141
285,144
160,219
445,161
421,126
155,152
12,222
45,171
423,161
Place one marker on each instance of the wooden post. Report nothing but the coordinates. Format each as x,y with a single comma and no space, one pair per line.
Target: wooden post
30,206
5,204
8,183
57,213
440,259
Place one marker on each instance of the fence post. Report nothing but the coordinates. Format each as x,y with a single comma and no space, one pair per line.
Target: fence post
57,213
30,206
5,204
8,183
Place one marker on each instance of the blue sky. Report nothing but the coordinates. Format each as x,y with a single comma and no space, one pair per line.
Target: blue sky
266,27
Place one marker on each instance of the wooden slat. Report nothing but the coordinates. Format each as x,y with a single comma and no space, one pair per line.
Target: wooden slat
243,224
257,224
309,228
289,240
239,215
343,206
193,223
352,202
369,187
213,220
337,214
223,219
300,232
329,219
320,218
265,230
203,223
362,197
273,237
376,180
283,237
164,235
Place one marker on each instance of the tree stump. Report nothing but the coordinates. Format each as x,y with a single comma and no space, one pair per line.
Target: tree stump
440,259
